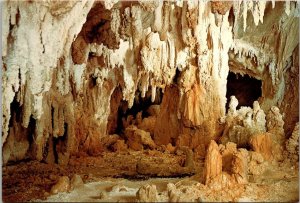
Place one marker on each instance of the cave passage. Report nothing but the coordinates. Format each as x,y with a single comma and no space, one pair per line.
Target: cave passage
140,104
245,88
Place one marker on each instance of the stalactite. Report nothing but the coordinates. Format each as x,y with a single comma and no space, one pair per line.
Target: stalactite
184,49
45,53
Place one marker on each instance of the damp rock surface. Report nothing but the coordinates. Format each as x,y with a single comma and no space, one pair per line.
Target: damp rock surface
104,99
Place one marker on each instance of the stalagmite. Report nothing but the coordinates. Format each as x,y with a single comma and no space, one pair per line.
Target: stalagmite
240,167
262,143
213,162
147,193
292,145
139,89
275,124
62,185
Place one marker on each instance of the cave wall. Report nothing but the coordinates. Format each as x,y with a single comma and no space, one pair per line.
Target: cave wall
62,62
264,48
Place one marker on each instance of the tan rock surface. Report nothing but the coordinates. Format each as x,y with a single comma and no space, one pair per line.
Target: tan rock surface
99,56
82,79
292,145
62,185
262,143
147,193
76,181
213,162
136,138
120,146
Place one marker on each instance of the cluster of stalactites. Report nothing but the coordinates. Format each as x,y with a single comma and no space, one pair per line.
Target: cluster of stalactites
181,36
150,55
42,34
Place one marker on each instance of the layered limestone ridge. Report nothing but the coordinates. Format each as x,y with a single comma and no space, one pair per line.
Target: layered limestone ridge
71,67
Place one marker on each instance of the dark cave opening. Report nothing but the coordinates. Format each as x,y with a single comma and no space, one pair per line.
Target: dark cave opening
18,131
60,143
140,105
16,112
245,88
120,110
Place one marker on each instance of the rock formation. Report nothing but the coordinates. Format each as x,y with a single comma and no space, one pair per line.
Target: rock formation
85,78
137,138
181,192
91,49
292,145
143,89
62,185
213,162
147,193
225,166
76,181
263,144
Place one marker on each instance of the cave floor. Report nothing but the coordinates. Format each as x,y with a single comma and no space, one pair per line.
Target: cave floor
124,190
33,180
117,177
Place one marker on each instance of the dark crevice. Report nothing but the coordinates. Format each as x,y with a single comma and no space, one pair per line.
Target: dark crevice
20,133
113,120
93,81
140,105
31,127
177,75
55,142
31,135
18,16
244,88
60,143
46,149
52,116
95,30
16,112
231,18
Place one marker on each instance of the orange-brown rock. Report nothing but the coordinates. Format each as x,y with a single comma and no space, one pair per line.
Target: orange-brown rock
153,110
183,140
227,152
110,140
189,157
222,181
170,148
128,121
167,123
79,50
200,151
136,138
292,145
240,167
148,124
213,162
119,146
263,144
220,7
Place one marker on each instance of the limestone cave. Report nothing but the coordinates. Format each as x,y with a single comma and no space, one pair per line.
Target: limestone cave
150,101
244,88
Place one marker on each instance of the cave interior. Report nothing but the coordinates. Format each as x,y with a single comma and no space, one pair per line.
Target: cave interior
150,101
